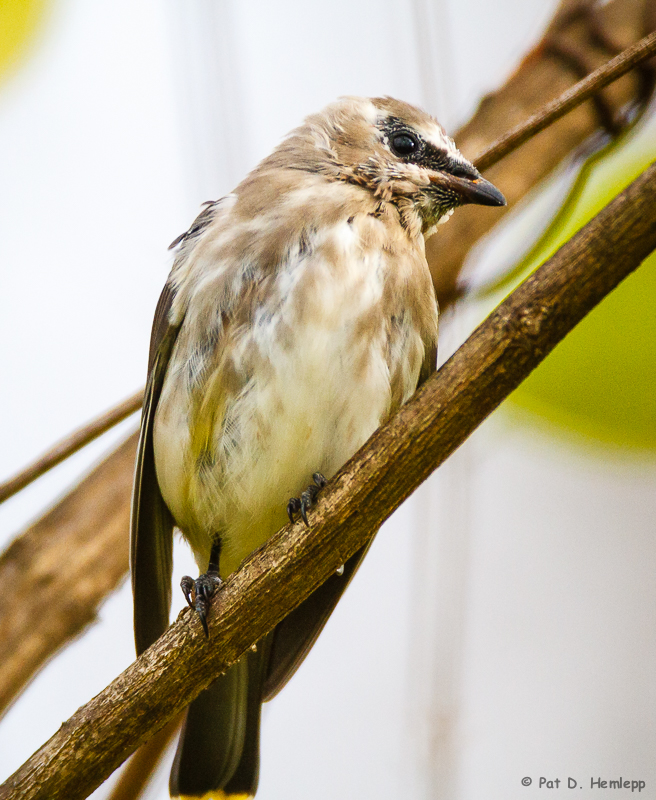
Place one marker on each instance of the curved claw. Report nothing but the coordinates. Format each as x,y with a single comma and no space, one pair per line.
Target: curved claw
307,499
293,507
202,607
203,588
187,585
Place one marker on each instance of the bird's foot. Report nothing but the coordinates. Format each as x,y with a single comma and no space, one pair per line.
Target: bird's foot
199,593
305,502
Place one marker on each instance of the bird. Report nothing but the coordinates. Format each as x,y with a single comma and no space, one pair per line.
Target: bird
298,316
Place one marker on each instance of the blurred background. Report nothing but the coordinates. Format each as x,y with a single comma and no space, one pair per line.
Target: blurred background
503,624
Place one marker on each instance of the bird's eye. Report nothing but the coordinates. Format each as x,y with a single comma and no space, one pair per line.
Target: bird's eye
404,144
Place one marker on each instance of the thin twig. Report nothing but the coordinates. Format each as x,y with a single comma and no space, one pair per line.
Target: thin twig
579,93
500,353
71,444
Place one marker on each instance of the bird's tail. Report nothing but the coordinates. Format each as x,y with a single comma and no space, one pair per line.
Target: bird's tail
218,755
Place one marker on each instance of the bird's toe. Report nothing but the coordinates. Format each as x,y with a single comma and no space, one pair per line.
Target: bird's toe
198,594
305,502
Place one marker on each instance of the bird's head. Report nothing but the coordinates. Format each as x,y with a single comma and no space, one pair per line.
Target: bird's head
400,153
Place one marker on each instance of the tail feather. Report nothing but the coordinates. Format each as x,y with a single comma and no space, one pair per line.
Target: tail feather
218,753
245,777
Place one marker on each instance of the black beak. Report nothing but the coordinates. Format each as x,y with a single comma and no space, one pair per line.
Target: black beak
478,191
473,190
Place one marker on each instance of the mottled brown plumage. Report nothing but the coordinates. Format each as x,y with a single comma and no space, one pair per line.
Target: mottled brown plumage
298,316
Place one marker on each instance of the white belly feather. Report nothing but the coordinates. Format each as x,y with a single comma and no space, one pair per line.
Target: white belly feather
318,360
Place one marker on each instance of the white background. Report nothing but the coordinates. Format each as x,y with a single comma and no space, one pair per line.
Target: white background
503,623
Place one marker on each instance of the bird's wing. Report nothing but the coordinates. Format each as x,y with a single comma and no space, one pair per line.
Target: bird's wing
151,529
294,636
429,364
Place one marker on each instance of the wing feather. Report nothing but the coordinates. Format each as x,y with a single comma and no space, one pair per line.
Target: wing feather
151,529
294,636
429,364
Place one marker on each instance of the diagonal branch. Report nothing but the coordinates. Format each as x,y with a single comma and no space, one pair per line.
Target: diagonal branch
399,456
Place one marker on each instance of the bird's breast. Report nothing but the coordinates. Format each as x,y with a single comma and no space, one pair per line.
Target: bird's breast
306,367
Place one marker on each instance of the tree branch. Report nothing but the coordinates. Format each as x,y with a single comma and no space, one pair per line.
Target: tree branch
71,444
56,574
502,351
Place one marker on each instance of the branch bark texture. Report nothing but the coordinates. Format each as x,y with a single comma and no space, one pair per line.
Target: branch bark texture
59,571
139,769
502,351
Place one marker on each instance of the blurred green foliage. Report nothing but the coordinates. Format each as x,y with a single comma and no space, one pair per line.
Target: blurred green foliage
601,380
